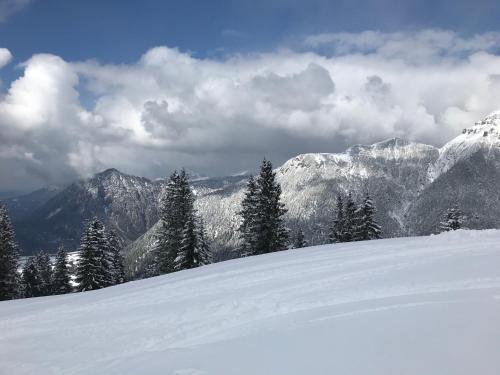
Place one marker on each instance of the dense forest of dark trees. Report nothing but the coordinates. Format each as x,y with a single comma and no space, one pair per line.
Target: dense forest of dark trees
182,241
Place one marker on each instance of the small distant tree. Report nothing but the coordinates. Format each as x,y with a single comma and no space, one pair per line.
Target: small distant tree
9,258
299,240
350,220
44,268
337,232
31,283
61,281
152,263
453,219
115,258
367,228
202,245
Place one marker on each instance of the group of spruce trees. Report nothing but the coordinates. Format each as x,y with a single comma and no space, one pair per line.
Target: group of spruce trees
182,241
354,222
262,229
453,219
40,278
101,263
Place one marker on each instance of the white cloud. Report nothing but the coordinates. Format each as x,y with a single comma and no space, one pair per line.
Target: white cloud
418,46
170,109
5,57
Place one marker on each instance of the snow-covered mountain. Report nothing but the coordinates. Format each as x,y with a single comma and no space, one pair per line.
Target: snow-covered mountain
411,183
426,305
484,136
466,173
126,203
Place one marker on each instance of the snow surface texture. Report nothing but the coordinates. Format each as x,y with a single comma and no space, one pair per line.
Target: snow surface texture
428,305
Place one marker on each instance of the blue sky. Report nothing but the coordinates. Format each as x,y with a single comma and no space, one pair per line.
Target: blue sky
120,31
149,86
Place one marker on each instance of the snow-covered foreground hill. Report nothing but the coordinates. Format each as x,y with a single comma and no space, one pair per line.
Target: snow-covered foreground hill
428,305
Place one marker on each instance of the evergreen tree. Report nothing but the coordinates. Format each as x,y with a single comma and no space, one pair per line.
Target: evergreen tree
176,210
350,220
30,279
61,281
337,232
42,261
152,263
453,219
367,229
93,269
248,213
202,245
299,241
268,225
194,250
117,270
9,258
187,256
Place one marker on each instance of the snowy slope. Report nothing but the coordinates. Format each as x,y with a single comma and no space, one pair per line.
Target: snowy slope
428,305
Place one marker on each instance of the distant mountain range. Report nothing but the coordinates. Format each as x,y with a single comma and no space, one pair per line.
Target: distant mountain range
412,185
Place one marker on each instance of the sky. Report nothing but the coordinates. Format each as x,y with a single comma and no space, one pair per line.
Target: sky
214,86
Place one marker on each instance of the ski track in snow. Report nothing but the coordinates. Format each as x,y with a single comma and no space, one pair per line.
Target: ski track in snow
423,305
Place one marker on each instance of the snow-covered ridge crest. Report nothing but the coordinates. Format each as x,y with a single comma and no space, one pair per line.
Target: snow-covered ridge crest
483,135
390,149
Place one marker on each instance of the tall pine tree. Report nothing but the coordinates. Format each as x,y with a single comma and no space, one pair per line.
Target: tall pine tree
263,229
9,258
61,281
194,250
337,232
93,269
117,270
350,220
202,246
367,228
186,255
176,210
31,283
248,213
44,268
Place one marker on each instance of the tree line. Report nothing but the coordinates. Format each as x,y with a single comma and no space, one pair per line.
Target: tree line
100,265
181,242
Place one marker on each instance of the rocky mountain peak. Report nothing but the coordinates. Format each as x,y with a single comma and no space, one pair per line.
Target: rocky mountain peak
484,136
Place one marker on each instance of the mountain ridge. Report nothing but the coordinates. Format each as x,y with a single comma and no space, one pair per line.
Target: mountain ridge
399,174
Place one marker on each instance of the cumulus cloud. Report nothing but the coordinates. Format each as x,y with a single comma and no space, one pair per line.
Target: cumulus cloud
5,57
170,109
